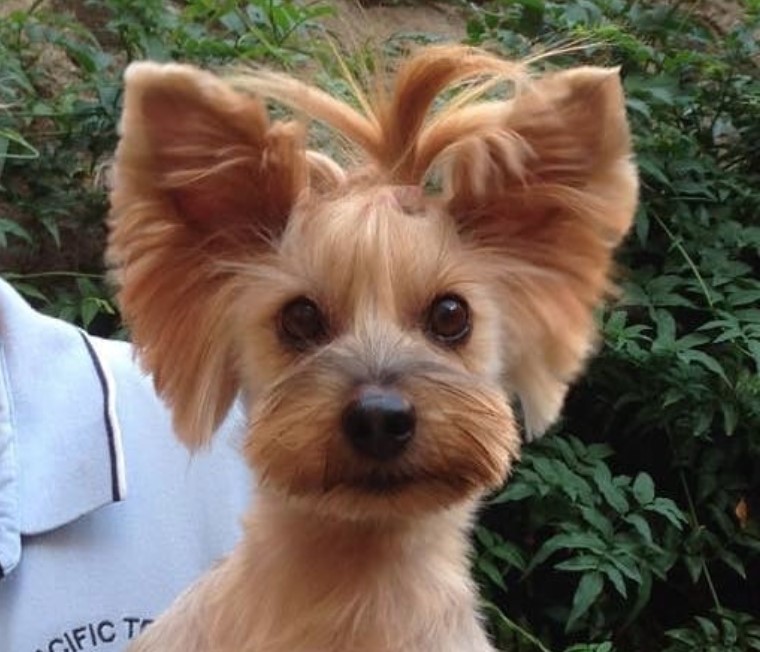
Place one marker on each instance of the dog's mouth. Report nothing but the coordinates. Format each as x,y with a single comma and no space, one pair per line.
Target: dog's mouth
384,482
390,483
392,492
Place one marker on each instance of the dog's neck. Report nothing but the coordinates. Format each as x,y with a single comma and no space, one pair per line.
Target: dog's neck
299,530
380,586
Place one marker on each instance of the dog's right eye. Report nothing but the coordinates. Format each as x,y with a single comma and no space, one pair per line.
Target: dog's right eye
302,323
449,320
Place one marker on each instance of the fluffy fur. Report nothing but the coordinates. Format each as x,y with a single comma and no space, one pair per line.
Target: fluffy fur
221,217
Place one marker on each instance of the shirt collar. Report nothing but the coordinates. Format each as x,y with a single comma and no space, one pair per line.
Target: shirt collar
60,445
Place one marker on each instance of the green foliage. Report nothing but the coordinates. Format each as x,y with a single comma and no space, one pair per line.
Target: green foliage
210,31
722,631
612,533
60,99
634,526
621,542
56,129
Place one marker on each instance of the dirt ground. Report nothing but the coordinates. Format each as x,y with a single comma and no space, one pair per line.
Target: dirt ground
377,22
357,22
363,22
7,6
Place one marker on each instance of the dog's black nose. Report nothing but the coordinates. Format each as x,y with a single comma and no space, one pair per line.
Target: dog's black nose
379,422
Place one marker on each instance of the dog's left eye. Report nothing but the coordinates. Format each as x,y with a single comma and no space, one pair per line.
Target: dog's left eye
302,323
448,319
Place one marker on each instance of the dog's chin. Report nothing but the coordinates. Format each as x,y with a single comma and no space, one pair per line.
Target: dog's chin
387,495
384,483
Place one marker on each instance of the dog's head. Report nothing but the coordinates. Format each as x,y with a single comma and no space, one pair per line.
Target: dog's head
378,330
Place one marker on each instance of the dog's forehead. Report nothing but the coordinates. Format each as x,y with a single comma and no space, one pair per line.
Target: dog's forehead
387,243
373,231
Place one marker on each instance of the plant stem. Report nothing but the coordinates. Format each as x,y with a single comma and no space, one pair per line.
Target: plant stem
677,243
696,525
15,276
513,626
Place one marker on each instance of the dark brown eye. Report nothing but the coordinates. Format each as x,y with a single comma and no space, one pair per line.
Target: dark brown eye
302,323
449,319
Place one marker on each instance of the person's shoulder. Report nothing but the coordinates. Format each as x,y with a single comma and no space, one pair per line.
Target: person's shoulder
121,363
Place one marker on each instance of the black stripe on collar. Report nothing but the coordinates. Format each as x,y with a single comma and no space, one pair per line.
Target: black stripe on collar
115,489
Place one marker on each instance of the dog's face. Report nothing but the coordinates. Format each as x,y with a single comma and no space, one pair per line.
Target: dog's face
370,345
378,333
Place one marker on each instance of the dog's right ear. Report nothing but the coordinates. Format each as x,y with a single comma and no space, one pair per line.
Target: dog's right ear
201,178
546,182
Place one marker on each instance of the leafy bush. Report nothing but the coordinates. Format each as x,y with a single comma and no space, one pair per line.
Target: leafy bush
60,99
724,631
651,540
634,526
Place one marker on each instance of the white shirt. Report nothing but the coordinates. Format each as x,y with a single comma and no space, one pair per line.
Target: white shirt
104,516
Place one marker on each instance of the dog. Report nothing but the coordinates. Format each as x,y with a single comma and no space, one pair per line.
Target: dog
383,320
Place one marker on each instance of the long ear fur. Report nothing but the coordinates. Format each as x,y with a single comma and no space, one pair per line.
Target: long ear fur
200,178
550,190
391,128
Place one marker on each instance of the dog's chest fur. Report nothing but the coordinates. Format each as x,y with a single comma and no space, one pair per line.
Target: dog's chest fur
299,586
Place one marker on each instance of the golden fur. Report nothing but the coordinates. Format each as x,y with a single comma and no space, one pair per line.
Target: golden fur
221,217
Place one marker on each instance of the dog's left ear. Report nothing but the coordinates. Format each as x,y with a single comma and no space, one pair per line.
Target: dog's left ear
202,181
548,189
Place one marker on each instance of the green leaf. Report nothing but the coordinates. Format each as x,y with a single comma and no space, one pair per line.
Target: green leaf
509,553
569,541
51,226
754,349
666,332
547,470
643,488
612,494
485,536
91,307
642,598
515,492
489,569
707,361
598,521
640,525
28,151
653,170
730,632
667,508
10,227
88,310
709,628
685,636
635,105
694,565
642,225
580,563
691,340
744,297
588,591
616,578
30,291
730,417
733,561
591,647
751,315
627,565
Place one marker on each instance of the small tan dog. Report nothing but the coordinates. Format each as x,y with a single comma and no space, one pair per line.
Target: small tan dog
378,330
